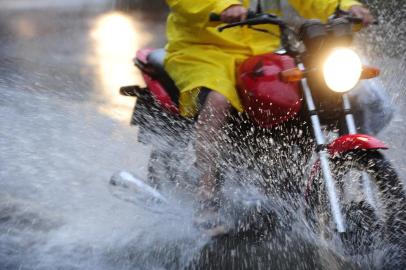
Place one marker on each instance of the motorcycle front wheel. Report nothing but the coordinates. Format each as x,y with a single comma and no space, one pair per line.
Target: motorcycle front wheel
373,201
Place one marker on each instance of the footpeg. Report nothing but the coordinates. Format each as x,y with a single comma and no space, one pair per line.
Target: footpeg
132,91
128,187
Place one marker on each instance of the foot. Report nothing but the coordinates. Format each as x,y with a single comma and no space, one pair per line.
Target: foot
207,218
208,221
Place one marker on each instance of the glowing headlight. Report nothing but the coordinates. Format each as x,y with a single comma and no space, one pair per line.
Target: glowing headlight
342,70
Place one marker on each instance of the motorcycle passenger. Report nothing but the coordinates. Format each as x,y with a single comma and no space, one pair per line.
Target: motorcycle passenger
203,63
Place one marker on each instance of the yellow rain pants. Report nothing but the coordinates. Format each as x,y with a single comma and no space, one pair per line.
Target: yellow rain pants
200,56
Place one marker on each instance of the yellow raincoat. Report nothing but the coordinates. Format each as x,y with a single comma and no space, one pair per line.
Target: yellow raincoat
200,56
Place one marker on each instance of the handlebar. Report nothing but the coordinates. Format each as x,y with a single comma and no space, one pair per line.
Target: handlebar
252,19
264,18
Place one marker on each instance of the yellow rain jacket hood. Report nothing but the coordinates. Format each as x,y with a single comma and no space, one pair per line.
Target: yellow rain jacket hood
200,56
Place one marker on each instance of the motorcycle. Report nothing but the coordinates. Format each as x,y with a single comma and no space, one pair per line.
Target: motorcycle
296,96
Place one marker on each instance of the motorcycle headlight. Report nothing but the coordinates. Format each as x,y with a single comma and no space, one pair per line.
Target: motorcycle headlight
342,70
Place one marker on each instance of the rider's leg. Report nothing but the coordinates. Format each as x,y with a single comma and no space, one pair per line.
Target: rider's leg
212,116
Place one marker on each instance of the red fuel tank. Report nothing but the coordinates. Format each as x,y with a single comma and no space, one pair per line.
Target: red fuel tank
266,98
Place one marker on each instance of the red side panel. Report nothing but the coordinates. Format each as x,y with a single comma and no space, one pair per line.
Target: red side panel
354,141
156,88
160,94
268,100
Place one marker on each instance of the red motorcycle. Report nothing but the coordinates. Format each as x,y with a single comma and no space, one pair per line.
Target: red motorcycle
294,100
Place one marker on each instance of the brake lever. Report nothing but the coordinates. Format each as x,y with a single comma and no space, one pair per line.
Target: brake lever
230,25
262,19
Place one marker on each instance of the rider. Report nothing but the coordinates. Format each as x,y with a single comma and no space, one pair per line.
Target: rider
200,58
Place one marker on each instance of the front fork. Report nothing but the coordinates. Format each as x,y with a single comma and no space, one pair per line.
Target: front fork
341,145
349,119
323,153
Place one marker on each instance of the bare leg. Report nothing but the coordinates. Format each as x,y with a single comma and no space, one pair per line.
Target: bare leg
210,121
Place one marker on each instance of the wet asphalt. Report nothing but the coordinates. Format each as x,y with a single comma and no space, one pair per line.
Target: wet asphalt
64,129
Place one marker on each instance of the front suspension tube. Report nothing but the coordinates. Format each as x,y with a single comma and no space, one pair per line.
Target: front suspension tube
324,159
331,190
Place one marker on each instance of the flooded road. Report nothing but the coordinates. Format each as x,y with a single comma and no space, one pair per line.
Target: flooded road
64,131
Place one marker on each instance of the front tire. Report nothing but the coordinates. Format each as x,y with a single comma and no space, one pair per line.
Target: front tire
366,219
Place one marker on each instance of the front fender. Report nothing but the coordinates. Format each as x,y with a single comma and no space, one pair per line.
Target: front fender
354,141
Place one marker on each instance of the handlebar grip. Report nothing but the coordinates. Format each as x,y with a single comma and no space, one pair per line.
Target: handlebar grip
355,19
359,20
214,17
